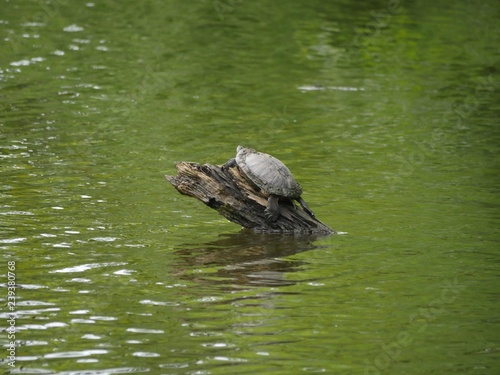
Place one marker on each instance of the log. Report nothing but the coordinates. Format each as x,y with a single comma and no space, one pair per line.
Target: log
227,191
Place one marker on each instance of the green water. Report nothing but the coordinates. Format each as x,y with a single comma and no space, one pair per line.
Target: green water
387,114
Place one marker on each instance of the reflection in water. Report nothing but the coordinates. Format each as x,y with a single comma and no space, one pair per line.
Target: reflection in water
246,258
240,279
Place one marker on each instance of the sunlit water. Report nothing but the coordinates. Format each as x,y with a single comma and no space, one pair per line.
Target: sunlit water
386,113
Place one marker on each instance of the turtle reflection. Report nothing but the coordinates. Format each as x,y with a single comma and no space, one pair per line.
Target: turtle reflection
245,258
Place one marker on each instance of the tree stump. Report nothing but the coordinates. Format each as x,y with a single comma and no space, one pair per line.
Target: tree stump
227,191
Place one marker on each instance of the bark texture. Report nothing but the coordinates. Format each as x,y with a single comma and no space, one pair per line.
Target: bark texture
228,192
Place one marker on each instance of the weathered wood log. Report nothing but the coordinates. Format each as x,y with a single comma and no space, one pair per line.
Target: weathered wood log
227,191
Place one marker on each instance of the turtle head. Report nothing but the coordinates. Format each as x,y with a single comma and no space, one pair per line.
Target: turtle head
239,148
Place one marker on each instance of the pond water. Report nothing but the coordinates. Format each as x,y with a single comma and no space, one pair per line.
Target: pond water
385,111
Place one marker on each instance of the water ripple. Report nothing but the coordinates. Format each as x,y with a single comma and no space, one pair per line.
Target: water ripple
120,370
43,326
145,354
13,240
106,318
6,315
73,28
90,336
75,354
158,303
83,321
32,286
144,330
86,267
35,303
26,213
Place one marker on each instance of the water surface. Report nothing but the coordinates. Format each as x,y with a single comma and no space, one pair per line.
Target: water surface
386,113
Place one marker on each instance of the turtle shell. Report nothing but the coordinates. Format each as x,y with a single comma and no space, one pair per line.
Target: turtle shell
267,173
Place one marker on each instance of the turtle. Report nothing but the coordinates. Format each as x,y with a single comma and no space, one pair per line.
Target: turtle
271,176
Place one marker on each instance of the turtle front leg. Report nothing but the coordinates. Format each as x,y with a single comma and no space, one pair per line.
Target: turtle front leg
229,164
304,206
272,211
